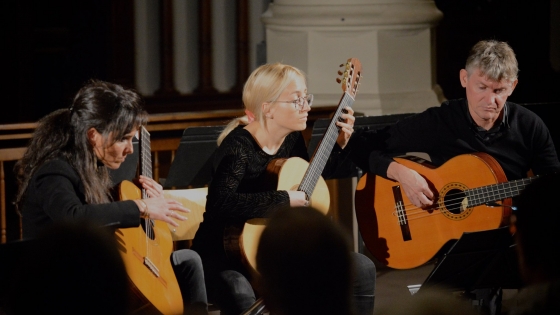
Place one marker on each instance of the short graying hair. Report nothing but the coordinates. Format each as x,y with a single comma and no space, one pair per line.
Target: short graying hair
495,59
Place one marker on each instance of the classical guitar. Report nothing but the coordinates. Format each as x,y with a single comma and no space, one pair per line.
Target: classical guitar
468,188
297,174
146,251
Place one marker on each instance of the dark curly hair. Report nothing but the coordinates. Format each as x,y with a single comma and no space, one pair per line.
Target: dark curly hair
109,108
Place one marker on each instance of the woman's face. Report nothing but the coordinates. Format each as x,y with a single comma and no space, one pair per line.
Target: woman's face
284,113
112,155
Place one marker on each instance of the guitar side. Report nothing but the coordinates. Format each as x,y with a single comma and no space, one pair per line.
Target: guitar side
288,174
152,291
429,229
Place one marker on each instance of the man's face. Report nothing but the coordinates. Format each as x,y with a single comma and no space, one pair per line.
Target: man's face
486,98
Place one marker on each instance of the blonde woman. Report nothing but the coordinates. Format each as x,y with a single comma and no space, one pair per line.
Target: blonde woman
277,104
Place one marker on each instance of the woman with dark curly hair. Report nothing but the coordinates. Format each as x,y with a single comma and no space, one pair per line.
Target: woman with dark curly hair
64,174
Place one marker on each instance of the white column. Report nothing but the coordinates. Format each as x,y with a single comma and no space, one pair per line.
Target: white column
146,37
223,44
393,39
185,49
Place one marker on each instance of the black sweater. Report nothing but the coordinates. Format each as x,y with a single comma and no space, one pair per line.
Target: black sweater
520,143
240,190
56,193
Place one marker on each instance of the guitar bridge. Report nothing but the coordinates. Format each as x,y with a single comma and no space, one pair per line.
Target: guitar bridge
401,213
148,263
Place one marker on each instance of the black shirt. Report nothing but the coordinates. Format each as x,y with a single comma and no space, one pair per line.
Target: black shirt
240,189
56,193
521,142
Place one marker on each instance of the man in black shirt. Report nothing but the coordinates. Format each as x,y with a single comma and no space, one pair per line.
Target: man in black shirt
483,122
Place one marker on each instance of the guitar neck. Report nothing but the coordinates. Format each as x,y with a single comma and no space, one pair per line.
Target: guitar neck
145,156
495,192
324,149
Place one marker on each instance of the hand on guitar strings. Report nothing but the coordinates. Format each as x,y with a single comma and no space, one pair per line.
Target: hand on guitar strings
158,207
153,189
346,124
414,185
163,209
298,198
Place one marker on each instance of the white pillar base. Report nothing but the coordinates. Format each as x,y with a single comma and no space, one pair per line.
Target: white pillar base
392,39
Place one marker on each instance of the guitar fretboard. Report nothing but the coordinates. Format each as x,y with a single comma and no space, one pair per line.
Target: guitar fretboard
491,193
323,151
145,156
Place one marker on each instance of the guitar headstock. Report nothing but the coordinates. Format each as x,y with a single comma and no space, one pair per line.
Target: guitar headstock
351,76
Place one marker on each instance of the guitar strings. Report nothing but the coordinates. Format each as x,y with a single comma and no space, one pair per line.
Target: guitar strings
418,210
513,188
323,152
412,211
147,171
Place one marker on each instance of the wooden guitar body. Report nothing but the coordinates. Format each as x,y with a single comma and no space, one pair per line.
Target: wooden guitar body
146,252
288,173
403,236
154,286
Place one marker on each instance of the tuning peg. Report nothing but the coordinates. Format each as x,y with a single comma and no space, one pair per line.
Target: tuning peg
340,72
341,65
338,80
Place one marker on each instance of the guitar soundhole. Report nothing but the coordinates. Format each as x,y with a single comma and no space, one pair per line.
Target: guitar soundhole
148,227
453,201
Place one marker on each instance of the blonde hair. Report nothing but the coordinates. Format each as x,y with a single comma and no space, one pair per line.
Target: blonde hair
265,84
496,60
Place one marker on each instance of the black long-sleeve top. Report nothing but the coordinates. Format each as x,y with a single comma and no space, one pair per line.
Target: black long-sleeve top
56,193
521,142
240,190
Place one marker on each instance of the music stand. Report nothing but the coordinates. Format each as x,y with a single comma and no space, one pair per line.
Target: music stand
193,163
484,259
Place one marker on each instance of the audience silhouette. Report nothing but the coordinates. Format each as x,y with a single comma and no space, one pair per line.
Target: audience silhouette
535,223
305,264
70,268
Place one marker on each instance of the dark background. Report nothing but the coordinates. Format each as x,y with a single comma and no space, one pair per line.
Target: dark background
51,47
524,24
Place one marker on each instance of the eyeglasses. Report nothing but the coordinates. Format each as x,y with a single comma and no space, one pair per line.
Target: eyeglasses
299,103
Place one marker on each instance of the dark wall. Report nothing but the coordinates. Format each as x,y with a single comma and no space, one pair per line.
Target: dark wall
524,24
548,113
51,47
